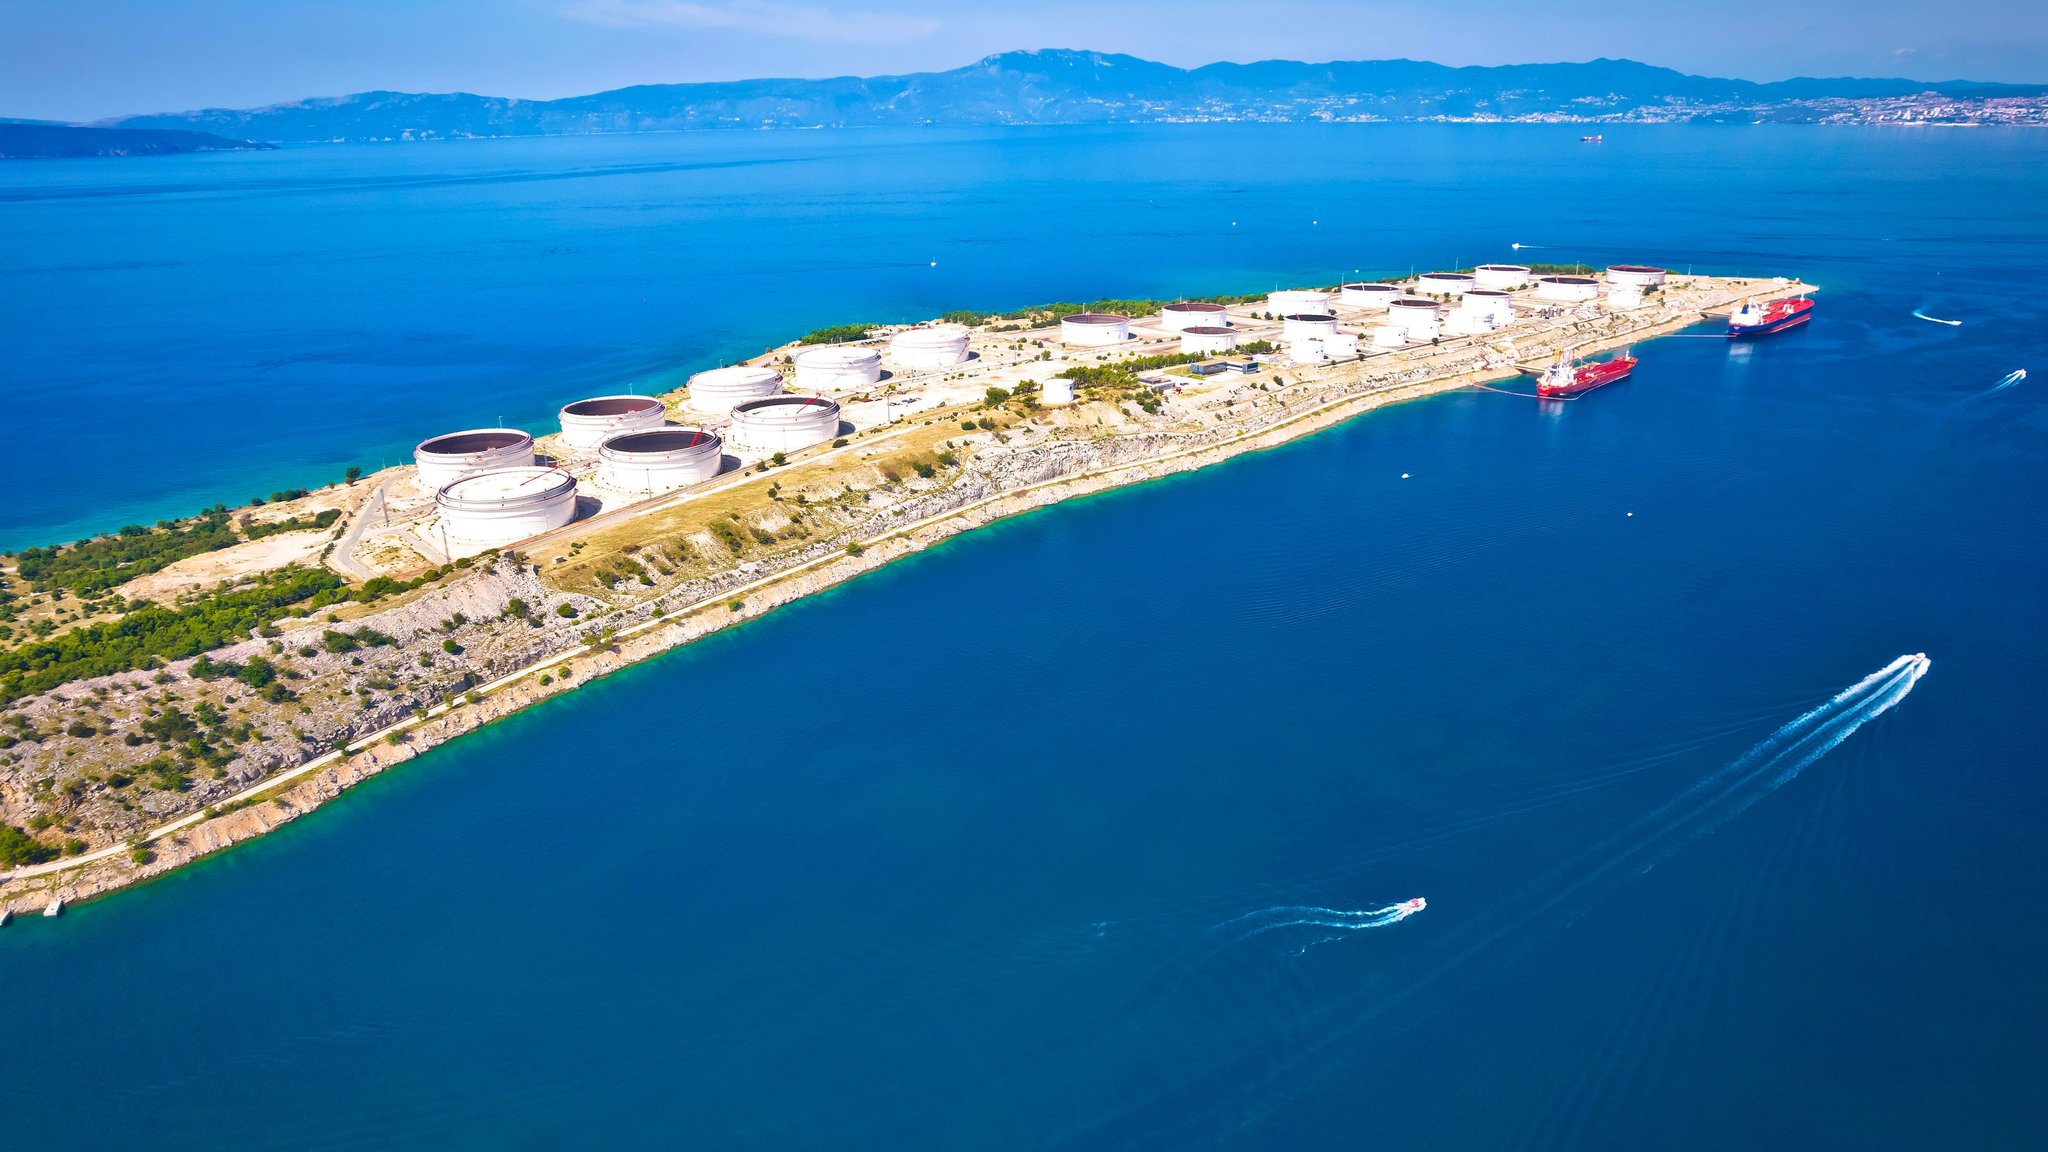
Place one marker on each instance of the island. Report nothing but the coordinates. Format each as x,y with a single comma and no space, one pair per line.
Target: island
169,690
19,141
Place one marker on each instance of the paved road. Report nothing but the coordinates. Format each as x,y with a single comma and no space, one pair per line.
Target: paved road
342,559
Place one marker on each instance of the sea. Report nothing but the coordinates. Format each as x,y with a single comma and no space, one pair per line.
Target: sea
1098,827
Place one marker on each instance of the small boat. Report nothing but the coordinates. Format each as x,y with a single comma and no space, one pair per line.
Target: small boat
56,907
1764,319
1590,139
1572,378
1415,905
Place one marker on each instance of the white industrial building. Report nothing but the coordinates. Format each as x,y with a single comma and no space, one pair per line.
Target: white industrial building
1056,391
933,346
715,391
837,367
1332,345
1307,326
784,423
1193,314
586,423
1368,297
506,505
1297,301
1412,314
1094,329
1443,283
1567,289
1504,277
1638,275
1207,341
659,460
447,458
1495,304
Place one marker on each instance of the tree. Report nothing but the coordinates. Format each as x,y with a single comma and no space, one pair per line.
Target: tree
354,473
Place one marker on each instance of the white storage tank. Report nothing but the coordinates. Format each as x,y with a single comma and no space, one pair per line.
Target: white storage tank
586,423
1342,346
1461,322
1370,297
658,460
1306,351
1297,301
1095,329
837,367
1193,314
1639,275
1207,341
717,390
784,423
1443,283
934,346
1567,289
1412,313
1056,391
1307,326
1496,305
447,458
1625,297
506,505
1504,277
1388,336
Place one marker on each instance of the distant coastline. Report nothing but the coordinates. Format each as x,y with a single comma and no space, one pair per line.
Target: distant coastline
19,141
1054,87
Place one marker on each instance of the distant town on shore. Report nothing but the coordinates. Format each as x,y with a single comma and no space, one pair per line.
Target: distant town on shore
1058,86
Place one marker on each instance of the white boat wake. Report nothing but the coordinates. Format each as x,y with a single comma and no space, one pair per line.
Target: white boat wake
1771,764
1937,319
2009,379
1301,916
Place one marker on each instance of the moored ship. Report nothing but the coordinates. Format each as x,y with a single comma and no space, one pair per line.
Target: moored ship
1569,378
1764,319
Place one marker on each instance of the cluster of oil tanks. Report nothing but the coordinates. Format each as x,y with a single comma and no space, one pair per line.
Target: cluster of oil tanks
490,488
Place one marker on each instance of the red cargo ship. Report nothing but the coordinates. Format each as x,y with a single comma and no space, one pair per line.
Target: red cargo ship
1571,379
1764,319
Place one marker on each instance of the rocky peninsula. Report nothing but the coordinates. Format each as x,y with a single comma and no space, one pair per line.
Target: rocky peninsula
343,643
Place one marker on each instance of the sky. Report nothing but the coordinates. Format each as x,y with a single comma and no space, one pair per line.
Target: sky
91,59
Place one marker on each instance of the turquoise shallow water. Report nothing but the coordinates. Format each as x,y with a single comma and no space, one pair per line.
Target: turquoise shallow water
960,854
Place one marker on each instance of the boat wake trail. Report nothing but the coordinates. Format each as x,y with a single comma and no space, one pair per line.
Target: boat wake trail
1553,898
2008,380
1937,319
1331,922
1771,764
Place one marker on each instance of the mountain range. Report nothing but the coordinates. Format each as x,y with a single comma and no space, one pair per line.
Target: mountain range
1060,86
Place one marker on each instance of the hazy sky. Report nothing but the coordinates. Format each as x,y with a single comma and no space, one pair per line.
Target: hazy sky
83,59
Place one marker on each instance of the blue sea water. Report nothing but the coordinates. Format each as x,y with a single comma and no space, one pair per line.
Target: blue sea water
994,847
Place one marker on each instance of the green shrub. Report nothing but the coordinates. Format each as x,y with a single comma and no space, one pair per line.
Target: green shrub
18,848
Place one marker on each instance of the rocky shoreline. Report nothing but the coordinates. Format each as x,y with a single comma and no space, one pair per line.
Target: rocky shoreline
510,661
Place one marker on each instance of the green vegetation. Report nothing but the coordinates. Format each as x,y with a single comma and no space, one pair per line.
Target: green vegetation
1124,373
1042,315
837,334
151,633
18,848
335,641
90,567
322,519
